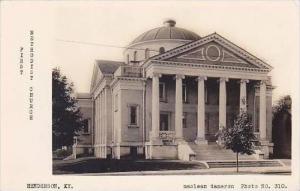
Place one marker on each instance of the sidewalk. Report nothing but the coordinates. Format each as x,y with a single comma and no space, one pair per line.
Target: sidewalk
212,171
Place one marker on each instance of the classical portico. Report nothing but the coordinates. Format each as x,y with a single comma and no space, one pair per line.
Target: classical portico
181,63
200,139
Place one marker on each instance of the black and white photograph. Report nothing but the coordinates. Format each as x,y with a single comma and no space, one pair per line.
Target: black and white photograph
201,94
174,101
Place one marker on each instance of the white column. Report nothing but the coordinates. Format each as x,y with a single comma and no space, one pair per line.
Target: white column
97,127
155,106
243,95
105,122
201,111
118,126
102,121
100,124
262,111
222,102
178,107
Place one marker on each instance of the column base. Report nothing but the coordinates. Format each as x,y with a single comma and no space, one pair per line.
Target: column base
156,141
180,140
266,148
117,151
201,141
220,142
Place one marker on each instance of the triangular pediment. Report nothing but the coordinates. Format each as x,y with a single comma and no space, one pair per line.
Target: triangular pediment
213,50
97,75
103,68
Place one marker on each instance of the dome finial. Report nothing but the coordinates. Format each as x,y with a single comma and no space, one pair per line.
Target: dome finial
169,22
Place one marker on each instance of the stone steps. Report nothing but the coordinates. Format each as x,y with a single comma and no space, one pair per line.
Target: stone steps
217,157
213,151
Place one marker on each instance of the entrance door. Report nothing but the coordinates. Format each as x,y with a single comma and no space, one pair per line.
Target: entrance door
133,152
164,122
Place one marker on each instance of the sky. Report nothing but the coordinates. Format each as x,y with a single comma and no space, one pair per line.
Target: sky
267,29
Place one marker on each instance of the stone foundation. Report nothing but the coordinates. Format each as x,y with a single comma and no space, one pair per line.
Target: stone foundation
161,151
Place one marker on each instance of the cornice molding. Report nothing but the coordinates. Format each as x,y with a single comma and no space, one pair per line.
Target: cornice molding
116,79
209,67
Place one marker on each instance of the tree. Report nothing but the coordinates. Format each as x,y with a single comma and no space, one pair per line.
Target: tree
283,106
66,117
239,138
282,119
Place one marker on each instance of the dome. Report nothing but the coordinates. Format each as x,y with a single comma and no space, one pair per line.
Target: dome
168,31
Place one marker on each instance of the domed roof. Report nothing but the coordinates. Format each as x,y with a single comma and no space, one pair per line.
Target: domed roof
168,31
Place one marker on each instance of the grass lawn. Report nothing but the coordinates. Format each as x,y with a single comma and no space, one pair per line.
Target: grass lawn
93,165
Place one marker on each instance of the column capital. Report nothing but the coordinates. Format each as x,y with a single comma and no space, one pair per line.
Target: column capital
179,76
201,78
263,82
154,74
223,79
244,81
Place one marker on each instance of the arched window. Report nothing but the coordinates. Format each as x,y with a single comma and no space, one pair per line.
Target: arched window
161,50
135,56
147,53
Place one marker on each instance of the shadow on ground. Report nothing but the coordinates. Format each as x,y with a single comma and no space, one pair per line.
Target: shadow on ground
111,165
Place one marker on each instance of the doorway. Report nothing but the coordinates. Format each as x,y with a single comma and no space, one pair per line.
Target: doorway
133,152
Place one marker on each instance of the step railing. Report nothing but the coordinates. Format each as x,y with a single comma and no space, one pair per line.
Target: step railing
185,152
167,135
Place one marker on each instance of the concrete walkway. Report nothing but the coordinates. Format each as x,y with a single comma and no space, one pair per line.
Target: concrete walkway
212,171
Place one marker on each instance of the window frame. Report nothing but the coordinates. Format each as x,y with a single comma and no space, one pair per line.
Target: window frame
88,120
168,114
164,97
136,124
161,50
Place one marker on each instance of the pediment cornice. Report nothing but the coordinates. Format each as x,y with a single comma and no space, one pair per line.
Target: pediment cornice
261,66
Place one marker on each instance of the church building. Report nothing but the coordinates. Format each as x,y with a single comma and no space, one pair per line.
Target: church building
171,95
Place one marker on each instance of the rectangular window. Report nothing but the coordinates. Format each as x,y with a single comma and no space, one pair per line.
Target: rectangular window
86,126
164,122
184,93
133,115
184,116
162,91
